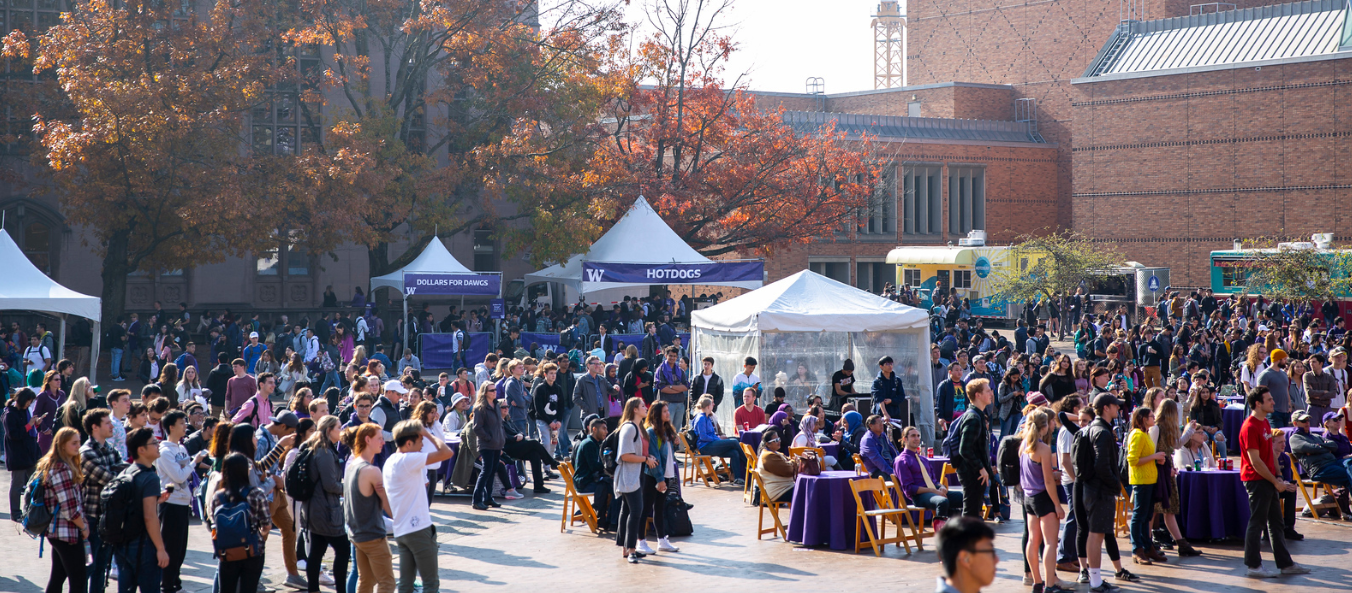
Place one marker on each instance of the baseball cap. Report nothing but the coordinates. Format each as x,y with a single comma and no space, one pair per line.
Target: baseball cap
1300,416
395,386
1262,328
1106,399
288,418
253,334
1338,351
1330,416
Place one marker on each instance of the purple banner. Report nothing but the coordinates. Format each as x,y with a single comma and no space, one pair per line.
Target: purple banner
425,284
752,271
497,309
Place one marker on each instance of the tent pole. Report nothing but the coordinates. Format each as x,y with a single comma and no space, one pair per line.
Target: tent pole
94,353
406,330
61,346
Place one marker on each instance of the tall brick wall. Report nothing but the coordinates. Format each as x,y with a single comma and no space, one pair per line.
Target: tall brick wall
1020,199
1173,167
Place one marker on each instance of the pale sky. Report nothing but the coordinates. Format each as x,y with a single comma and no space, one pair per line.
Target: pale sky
783,42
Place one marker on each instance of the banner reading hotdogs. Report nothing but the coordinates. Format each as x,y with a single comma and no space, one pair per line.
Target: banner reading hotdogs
741,271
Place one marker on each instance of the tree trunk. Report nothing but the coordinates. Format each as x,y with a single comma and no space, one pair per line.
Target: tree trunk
378,260
115,270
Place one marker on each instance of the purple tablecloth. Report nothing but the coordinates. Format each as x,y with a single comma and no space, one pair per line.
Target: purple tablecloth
936,468
823,510
1212,505
1232,417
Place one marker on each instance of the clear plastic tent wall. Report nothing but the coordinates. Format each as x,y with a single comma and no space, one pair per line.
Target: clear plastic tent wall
803,363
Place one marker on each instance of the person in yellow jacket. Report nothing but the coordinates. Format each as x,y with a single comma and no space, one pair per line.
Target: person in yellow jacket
1143,472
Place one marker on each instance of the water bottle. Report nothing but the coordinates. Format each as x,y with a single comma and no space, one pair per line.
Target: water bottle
89,554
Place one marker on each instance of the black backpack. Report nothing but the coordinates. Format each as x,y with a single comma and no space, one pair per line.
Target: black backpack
1082,455
300,478
949,446
123,518
610,452
1007,460
1123,466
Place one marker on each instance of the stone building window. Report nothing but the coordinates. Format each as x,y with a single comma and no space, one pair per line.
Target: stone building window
922,204
879,219
966,199
874,275
287,256
280,124
485,251
837,269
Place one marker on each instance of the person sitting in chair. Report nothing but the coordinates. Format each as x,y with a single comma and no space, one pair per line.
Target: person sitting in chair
776,470
912,472
875,450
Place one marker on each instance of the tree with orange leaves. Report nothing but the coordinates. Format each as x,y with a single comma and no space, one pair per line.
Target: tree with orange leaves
145,142
728,177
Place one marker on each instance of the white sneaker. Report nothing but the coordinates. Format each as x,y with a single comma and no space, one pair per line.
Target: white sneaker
512,495
1295,569
643,547
300,564
326,579
665,546
112,571
1262,572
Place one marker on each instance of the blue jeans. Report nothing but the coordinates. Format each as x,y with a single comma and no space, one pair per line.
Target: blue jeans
678,419
1142,508
352,575
330,380
1337,474
940,504
1219,438
98,571
1010,424
137,567
1279,419
117,363
731,449
564,447
1066,542
483,487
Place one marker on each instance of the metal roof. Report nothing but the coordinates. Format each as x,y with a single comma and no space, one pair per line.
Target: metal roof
897,127
1296,30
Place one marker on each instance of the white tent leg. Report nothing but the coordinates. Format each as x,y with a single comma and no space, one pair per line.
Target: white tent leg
61,345
94,353
406,323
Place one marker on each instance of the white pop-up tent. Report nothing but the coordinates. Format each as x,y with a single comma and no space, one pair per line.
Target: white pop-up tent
435,259
640,237
26,288
802,328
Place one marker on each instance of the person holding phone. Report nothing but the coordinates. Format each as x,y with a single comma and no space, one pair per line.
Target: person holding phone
21,447
175,468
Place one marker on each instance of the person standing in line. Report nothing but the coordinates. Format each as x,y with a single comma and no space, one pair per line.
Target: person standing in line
1256,464
175,468
405,476
547,399
487,425
62,476
1143,463
973,447
632,457
142,557
100,462
967,551
234,487
364,500
322,514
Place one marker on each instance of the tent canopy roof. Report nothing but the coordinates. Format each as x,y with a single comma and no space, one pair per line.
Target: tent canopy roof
640,237
26,288
435,258
809,302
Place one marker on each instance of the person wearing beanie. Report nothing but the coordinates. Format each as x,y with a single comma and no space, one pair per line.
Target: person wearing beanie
1279,384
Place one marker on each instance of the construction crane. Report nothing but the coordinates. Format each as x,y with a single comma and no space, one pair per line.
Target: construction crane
889,46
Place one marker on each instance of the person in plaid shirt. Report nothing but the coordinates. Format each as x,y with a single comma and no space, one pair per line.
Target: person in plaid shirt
62,475
101,463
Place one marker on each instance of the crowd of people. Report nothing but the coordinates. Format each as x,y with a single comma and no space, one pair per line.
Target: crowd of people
300,415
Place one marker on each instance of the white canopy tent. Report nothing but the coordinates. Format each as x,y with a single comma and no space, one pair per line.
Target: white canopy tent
26,288
815,322
640,237
434,259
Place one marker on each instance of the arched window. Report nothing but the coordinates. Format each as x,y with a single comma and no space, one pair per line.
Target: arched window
37,245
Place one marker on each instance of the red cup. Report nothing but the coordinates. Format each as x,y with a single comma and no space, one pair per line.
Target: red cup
930,452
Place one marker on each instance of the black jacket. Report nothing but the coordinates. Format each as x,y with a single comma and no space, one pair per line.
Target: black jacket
1100,476
547,401
974,442
216,383
21,448
715,388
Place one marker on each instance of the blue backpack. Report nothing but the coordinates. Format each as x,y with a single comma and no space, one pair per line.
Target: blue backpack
233,534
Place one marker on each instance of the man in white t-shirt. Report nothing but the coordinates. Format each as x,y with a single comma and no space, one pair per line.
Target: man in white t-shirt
405,475
1341,376
39,357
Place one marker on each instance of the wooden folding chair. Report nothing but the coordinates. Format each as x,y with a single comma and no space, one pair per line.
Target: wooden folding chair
915,519
764,503
751,461
574,501
699,466
1306,485
949,470
882,509
1122,523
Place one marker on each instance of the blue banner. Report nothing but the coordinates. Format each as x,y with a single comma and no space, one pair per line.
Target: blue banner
742,271
436,352
497,309
425,284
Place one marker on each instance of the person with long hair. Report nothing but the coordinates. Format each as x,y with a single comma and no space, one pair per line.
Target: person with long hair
1254,364
1060,382
632,457
639,381
491,437
267,363
1082,376
62,476
70,413
1143,462
1166,435
21,446
1012,400
1043,510
236,485
300,402
168,383
661,437
291,375
1295,374
426,414
48,402
322,515
189,388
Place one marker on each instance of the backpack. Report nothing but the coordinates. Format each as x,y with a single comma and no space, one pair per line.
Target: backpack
122,521
610,453
300,479
950,444
464,340
676,513
1082,455
233,534
37,518
1123,466
1007,460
